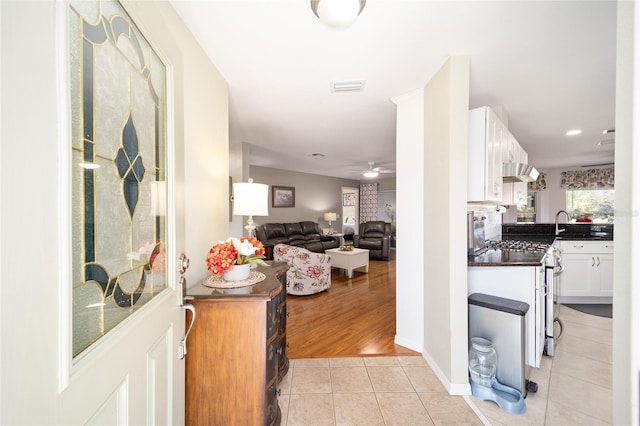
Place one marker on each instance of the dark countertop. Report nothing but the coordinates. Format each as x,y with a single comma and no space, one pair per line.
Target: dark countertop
570,231
507,258
266,289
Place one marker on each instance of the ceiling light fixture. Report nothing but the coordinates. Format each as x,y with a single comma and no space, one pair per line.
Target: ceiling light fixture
573,132
370,174
337,14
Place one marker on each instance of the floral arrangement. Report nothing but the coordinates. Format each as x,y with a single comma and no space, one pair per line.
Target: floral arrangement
235,251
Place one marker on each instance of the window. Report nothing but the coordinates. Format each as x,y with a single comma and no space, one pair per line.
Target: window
594,204
527,213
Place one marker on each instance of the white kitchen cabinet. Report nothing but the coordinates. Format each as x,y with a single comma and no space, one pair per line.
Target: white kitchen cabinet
588,273
485,156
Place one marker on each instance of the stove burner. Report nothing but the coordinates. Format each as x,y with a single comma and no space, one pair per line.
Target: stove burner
515,245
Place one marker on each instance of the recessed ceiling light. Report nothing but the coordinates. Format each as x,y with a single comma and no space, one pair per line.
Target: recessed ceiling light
573,132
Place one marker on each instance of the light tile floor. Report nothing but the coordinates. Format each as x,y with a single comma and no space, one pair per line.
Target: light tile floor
574,387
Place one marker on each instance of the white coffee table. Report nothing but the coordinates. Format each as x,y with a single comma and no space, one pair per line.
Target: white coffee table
349,260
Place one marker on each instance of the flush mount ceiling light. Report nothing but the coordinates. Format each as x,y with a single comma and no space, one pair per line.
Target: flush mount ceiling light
573,132
337,14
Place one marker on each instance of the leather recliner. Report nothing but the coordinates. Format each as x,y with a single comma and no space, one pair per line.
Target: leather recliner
304,234
374,236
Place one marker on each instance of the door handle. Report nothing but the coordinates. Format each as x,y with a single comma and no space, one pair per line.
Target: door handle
182,283
598,261
183,342
593,261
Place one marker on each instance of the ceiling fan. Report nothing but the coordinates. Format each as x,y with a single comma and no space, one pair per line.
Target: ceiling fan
374,171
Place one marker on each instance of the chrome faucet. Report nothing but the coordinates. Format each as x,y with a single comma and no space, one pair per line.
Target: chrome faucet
558,231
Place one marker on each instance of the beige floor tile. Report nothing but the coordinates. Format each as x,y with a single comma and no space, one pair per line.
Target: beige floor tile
283,402
346,362
575,316
381,361
423,379
580,367
350,379
412,360
389,379
311,362
542,378
569,344
562,415
448,409
581,331
311,410
587,398
403,409
357,409
310,380
285,384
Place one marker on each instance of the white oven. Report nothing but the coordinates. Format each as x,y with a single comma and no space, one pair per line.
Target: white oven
553,269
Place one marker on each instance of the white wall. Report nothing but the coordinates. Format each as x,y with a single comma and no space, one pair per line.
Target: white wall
626,275
446,101
410,216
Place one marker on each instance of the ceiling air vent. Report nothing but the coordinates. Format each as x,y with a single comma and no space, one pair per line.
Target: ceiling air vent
347,86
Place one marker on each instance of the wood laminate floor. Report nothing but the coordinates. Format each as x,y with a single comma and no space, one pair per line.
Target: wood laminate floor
355,317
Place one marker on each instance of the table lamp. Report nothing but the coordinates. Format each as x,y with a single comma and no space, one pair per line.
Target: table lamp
330,217
250,199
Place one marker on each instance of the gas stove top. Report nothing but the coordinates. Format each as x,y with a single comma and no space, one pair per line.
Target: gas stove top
518,246
511,252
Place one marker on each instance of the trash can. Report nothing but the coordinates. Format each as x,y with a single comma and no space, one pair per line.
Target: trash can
501,321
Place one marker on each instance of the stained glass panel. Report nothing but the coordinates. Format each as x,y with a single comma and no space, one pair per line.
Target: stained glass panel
118,106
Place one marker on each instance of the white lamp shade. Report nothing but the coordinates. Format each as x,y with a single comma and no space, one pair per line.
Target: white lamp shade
330,217
338,14
250,199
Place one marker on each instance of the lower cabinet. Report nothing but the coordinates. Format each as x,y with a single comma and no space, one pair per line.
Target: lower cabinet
236,353
588,273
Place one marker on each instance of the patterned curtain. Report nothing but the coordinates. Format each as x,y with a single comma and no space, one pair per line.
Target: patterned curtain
368,202
539,184
588,179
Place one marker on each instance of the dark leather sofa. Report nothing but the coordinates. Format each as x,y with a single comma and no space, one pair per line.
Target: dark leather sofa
299,234
374,236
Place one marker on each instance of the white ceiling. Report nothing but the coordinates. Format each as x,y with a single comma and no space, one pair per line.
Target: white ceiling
549,64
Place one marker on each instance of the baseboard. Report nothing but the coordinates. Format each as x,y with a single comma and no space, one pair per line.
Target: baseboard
452,388
409,344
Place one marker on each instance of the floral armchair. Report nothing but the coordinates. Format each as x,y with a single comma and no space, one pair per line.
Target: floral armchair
308,273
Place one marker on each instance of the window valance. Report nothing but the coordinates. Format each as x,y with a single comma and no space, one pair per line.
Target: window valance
539,184
588,179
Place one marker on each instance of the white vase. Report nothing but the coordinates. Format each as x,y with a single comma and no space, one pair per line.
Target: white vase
238,272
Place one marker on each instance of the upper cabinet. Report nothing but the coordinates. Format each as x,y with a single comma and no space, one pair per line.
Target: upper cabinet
490,146
485,156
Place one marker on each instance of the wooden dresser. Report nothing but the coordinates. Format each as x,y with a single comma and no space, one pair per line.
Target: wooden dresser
236,352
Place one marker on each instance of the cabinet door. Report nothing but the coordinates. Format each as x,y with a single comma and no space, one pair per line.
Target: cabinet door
578,274
494,136
604,266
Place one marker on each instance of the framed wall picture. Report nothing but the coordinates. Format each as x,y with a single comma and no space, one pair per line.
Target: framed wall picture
283,196
349,199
